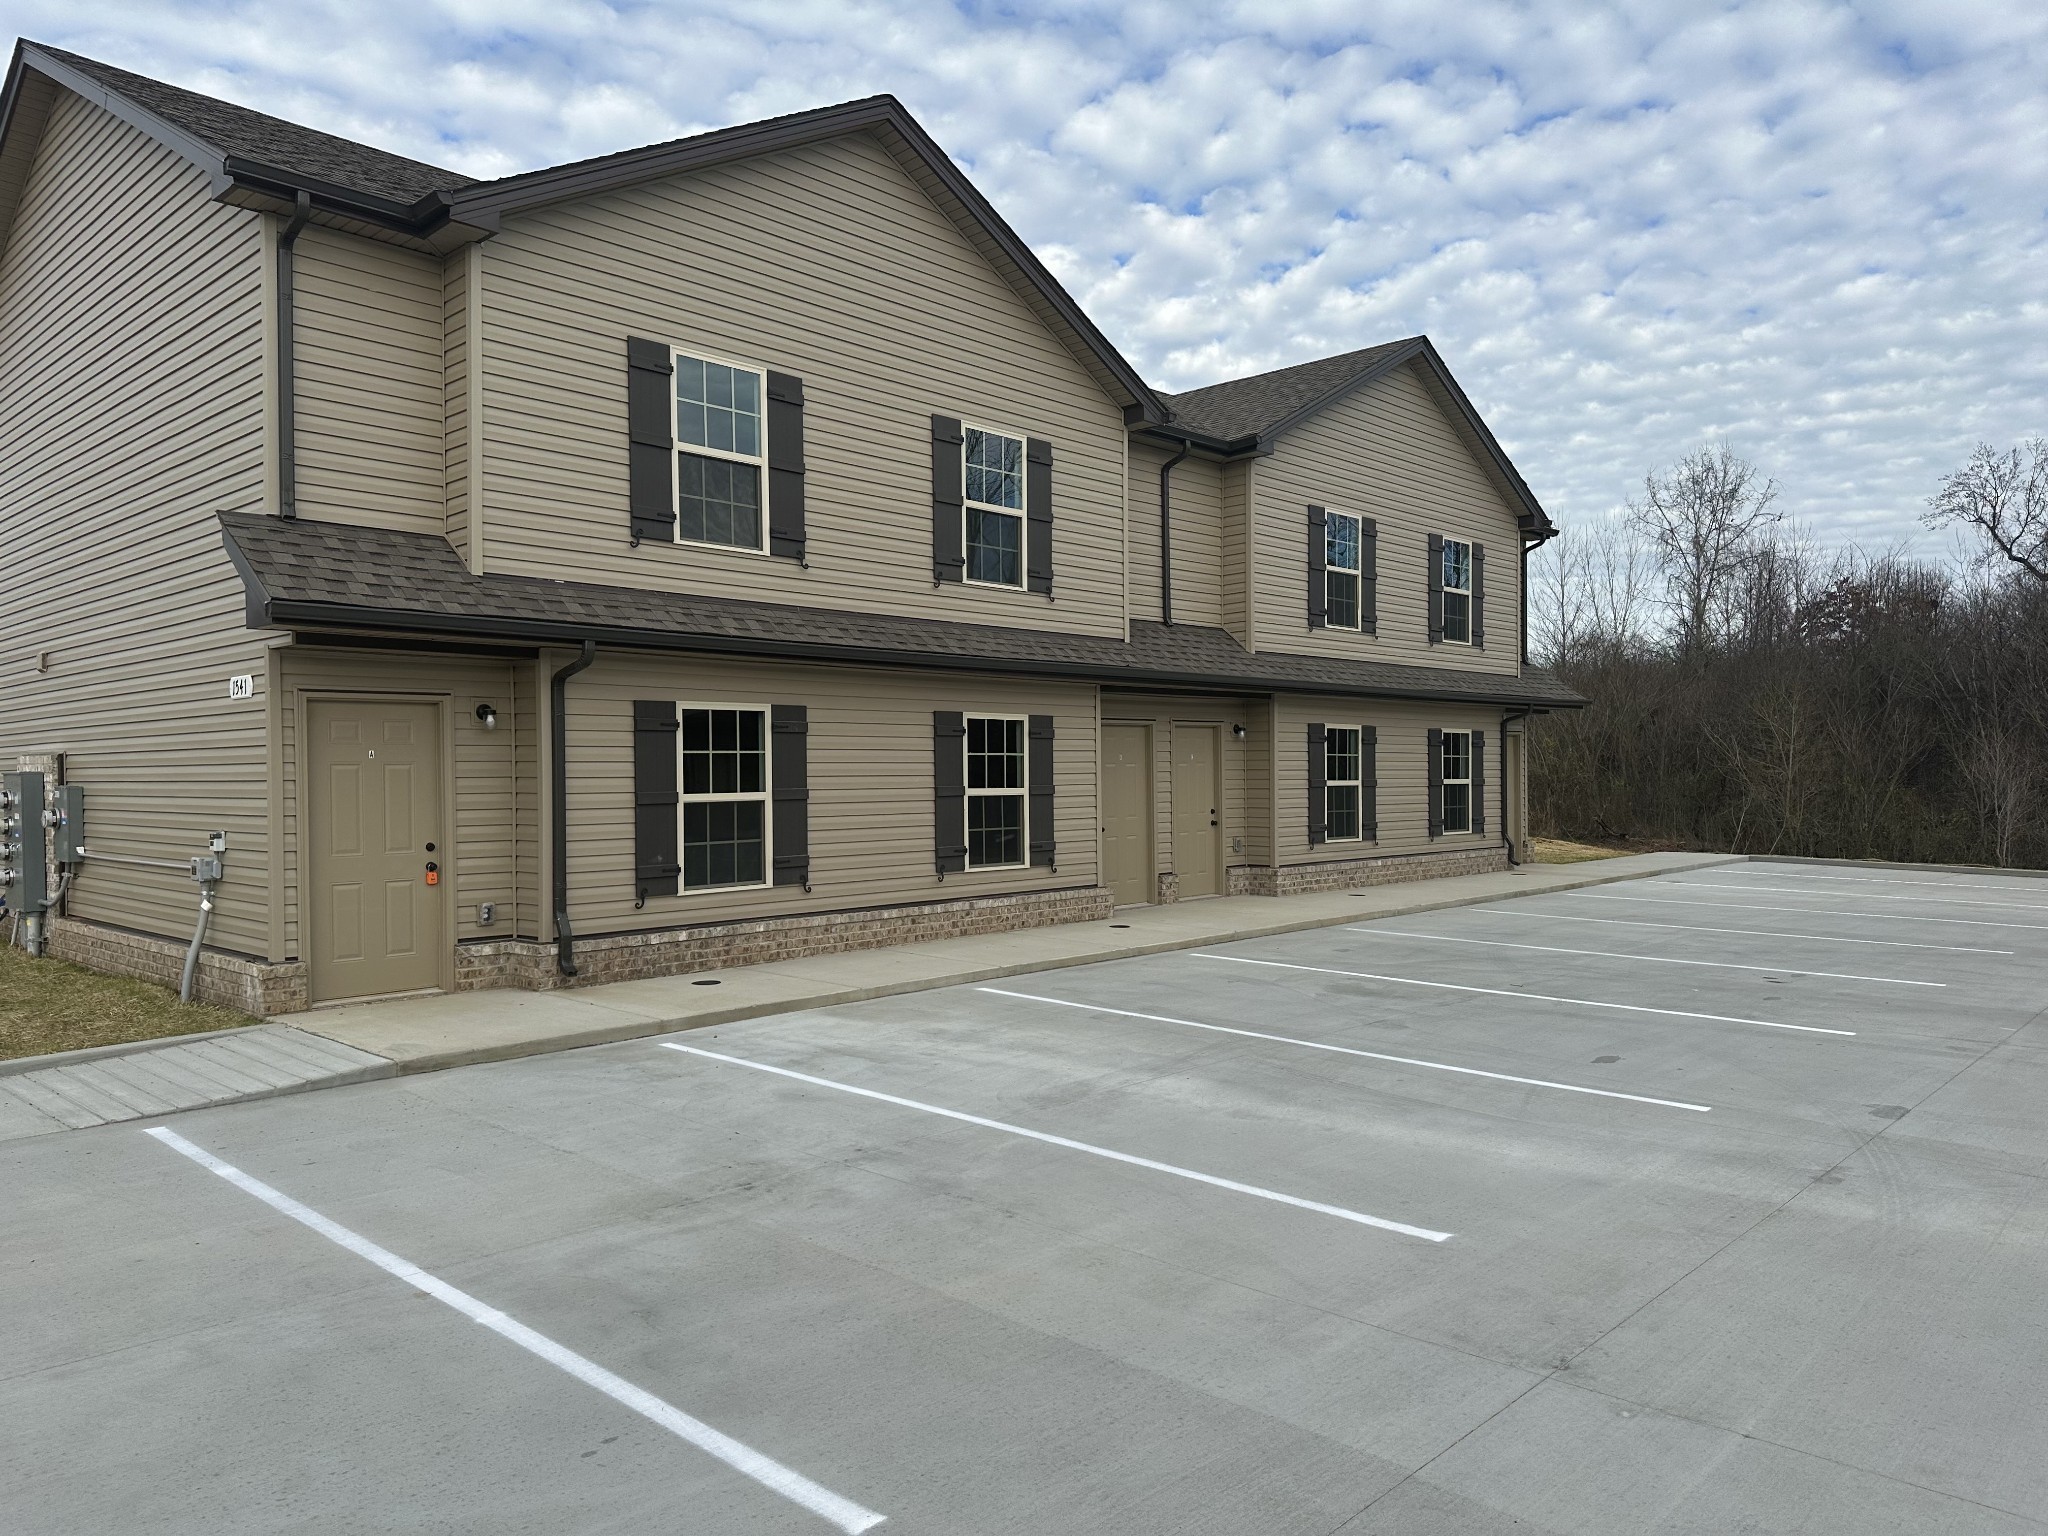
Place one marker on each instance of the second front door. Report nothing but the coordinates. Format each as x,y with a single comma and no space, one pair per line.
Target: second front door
1197,811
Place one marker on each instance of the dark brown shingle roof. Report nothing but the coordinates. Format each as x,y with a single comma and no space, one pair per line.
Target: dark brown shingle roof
312,575
1254,406
270,141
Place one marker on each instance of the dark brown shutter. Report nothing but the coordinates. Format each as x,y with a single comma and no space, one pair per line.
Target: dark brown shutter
1318,555
1479,596
1038,518
650,448
1369,576
1369,782
1318,784
657,871
789,783
1436,590
949,790
785,466
949,558
1436,782
1479,779
1038,775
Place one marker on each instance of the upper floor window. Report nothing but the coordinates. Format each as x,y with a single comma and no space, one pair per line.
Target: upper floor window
994,508
1342,760
723,758
1457,765
1342,546
1457,595
995,791
719,458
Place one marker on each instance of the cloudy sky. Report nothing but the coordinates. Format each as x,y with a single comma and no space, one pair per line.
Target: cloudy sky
1819,232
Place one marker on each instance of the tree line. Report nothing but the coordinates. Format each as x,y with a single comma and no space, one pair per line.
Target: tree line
1754,693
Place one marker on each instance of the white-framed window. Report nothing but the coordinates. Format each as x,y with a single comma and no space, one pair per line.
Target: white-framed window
1457,766
1343,780
722,765
1343,546
721,452
993,509
995,792
1457,592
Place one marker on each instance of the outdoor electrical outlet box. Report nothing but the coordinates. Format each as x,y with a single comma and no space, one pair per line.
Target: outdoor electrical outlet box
68,838
24,847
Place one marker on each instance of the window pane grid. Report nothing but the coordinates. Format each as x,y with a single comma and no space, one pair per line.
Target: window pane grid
995,792
718,501
1457,579
723,758
995,469
1343,793
1457,780
718,406
995,548
995,497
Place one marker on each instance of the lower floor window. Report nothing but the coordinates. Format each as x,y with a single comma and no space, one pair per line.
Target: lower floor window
1457,781
995,792
1341,783
724,772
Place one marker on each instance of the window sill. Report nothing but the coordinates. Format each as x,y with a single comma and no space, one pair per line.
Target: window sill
730,549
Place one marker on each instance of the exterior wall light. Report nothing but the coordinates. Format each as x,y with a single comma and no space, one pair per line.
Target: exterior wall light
1237,731
488,714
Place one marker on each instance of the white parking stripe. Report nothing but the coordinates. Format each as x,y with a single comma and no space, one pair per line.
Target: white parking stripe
1759,933
1608,954
1345,1050
1945,885
1522,997
1928,901
1077,1146
771,1474
1752,906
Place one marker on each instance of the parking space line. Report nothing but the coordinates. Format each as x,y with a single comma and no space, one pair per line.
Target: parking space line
1758,933
1523,997
1346,1050
1608,954
771,1474
1751,906
1928,901
1076,1146
1944,885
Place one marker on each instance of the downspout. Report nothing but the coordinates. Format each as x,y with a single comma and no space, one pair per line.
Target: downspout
1166,531
1521,714
558,725
287,404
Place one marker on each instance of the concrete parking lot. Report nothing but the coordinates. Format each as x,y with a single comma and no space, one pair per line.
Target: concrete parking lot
1711,1203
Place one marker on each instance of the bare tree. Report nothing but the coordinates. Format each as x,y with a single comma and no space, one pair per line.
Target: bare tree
1704,518
2004,497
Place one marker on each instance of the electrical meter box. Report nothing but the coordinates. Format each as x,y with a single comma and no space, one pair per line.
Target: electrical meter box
67,834
24,853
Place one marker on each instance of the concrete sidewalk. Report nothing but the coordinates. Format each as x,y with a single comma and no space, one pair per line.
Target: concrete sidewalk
423,1034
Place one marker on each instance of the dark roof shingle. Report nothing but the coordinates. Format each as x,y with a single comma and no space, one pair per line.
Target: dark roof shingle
271,141
1249,407
304,574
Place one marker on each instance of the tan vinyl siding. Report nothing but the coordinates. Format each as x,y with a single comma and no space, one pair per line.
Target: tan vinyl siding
1403,774
1199,537
483,848
825,262
456,315
132,343
1387,452
369,364
871,805
1236,488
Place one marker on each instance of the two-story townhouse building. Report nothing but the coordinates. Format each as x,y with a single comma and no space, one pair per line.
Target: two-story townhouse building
722,550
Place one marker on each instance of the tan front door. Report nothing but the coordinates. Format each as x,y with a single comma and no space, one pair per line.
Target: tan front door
1127,813
1197,811
373,833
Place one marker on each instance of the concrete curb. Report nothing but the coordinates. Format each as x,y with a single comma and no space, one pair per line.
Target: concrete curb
641,1028
15,1064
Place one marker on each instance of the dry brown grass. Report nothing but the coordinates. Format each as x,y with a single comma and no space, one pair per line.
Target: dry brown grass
51,1005
1556,850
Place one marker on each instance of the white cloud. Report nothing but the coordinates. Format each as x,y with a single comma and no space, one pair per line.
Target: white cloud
1814,230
